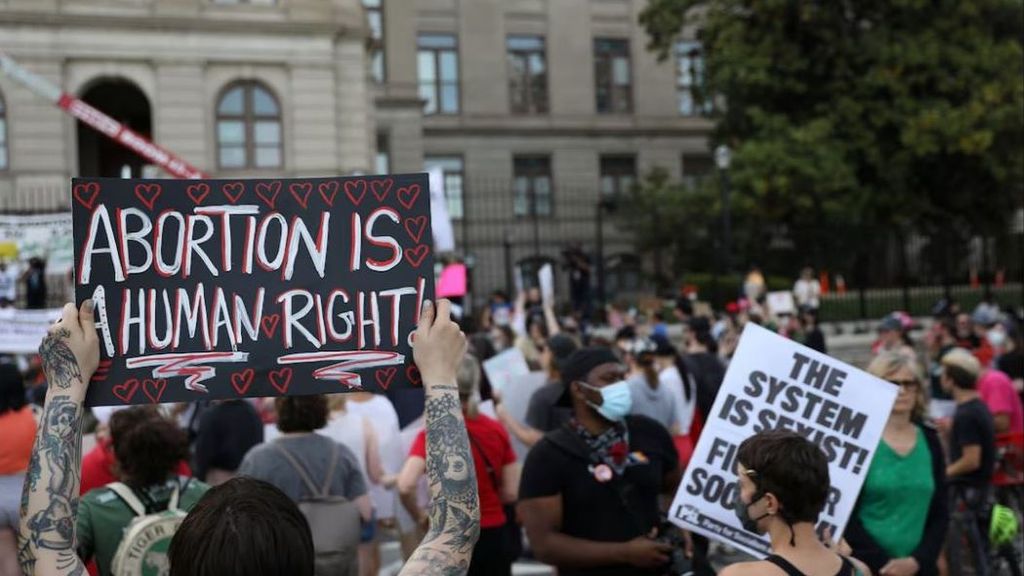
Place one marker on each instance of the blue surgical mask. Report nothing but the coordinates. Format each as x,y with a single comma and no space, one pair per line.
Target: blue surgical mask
616,400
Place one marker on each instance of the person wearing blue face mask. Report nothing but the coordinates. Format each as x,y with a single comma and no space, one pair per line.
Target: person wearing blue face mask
589,493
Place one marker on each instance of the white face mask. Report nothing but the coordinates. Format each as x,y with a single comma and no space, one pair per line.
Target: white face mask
996,337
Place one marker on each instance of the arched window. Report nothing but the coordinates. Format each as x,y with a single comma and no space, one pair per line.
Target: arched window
248,127
3,134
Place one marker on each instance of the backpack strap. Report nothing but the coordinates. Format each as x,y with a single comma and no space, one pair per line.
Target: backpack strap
127,495
310,485
328,480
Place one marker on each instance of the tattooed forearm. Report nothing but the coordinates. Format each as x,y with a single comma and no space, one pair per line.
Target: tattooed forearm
455,505
50,495
59,361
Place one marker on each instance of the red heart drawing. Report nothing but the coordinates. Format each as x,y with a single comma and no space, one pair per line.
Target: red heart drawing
242,380
198,192
125,390
301,191
381,188
268,191
384,376
281,379
233,191
328,190
154,389
86,193
355,190
413,374
269,324
415,256
148,193
407,196
414,227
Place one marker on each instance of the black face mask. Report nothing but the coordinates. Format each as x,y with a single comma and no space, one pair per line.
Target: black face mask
742,511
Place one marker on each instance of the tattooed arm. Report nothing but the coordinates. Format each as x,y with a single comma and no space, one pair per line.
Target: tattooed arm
455,506
49,501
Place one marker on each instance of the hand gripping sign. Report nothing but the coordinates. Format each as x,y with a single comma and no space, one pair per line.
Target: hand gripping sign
772,383
209,289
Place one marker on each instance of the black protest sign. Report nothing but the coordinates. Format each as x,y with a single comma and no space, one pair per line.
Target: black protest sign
210,289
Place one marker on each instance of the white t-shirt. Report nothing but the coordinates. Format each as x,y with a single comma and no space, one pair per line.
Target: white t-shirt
384,420
807,292
671,380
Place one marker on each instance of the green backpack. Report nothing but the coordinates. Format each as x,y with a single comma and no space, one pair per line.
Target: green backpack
143,548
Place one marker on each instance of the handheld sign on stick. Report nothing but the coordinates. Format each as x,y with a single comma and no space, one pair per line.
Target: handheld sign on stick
209,289
774,382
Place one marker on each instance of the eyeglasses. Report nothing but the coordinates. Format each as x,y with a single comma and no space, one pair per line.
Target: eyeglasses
908,384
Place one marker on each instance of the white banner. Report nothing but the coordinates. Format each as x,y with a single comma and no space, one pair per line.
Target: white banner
772,383
46,236
21,331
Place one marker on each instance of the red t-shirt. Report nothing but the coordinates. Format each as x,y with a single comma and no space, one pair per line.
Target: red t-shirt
488,435
98,467
18,429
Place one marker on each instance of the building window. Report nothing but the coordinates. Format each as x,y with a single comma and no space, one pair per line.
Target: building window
382,162
451,170
527,75
696,167
375,46
690,86
248,127
3,134
532,186
439,73
618,175
613,76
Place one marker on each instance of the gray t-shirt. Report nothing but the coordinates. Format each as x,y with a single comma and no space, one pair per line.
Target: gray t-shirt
658,404
265,462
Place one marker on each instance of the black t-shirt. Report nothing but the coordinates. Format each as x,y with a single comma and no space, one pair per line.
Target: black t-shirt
972,424
227,430
615,511
708,371
543,412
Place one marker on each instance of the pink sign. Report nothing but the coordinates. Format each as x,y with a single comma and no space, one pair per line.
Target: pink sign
452,282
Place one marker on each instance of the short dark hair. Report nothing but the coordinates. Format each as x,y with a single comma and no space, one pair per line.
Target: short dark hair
961,378
792,468
242,527
12,388
149,450
301,413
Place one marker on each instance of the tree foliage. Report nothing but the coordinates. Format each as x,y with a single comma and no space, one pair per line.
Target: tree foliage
875,113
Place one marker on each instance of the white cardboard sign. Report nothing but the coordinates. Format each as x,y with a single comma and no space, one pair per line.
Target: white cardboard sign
504,368
772,383
781,303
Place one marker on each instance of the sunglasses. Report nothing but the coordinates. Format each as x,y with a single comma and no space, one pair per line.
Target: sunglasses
908,384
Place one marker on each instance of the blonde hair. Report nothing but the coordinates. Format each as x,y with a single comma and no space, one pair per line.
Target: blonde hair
336,402
888,363
468,379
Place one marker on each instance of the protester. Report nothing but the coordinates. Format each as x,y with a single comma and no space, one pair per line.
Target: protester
244,527
996,390
589,491
1011,362
807,290
899,523
34,278
674,376
355,432
18,429
810,333
940,340
382,417
228,429
754,285
650,399
8,285
305,465
497,312
783,484
703,363
148,448
497,475
544,413
893,337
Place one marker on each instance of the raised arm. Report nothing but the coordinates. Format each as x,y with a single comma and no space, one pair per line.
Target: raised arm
49,502
455,506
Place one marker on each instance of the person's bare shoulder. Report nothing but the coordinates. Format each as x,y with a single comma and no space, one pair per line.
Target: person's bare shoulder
759,568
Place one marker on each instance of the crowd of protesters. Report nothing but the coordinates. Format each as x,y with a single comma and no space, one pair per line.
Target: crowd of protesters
580,482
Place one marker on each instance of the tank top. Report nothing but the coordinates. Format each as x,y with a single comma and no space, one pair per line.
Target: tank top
846,569
347,429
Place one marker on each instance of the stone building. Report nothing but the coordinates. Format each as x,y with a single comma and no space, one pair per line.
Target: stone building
536,110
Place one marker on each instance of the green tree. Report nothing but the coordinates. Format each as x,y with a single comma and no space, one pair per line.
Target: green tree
863,114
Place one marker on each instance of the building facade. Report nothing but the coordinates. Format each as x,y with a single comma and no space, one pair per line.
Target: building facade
542,114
